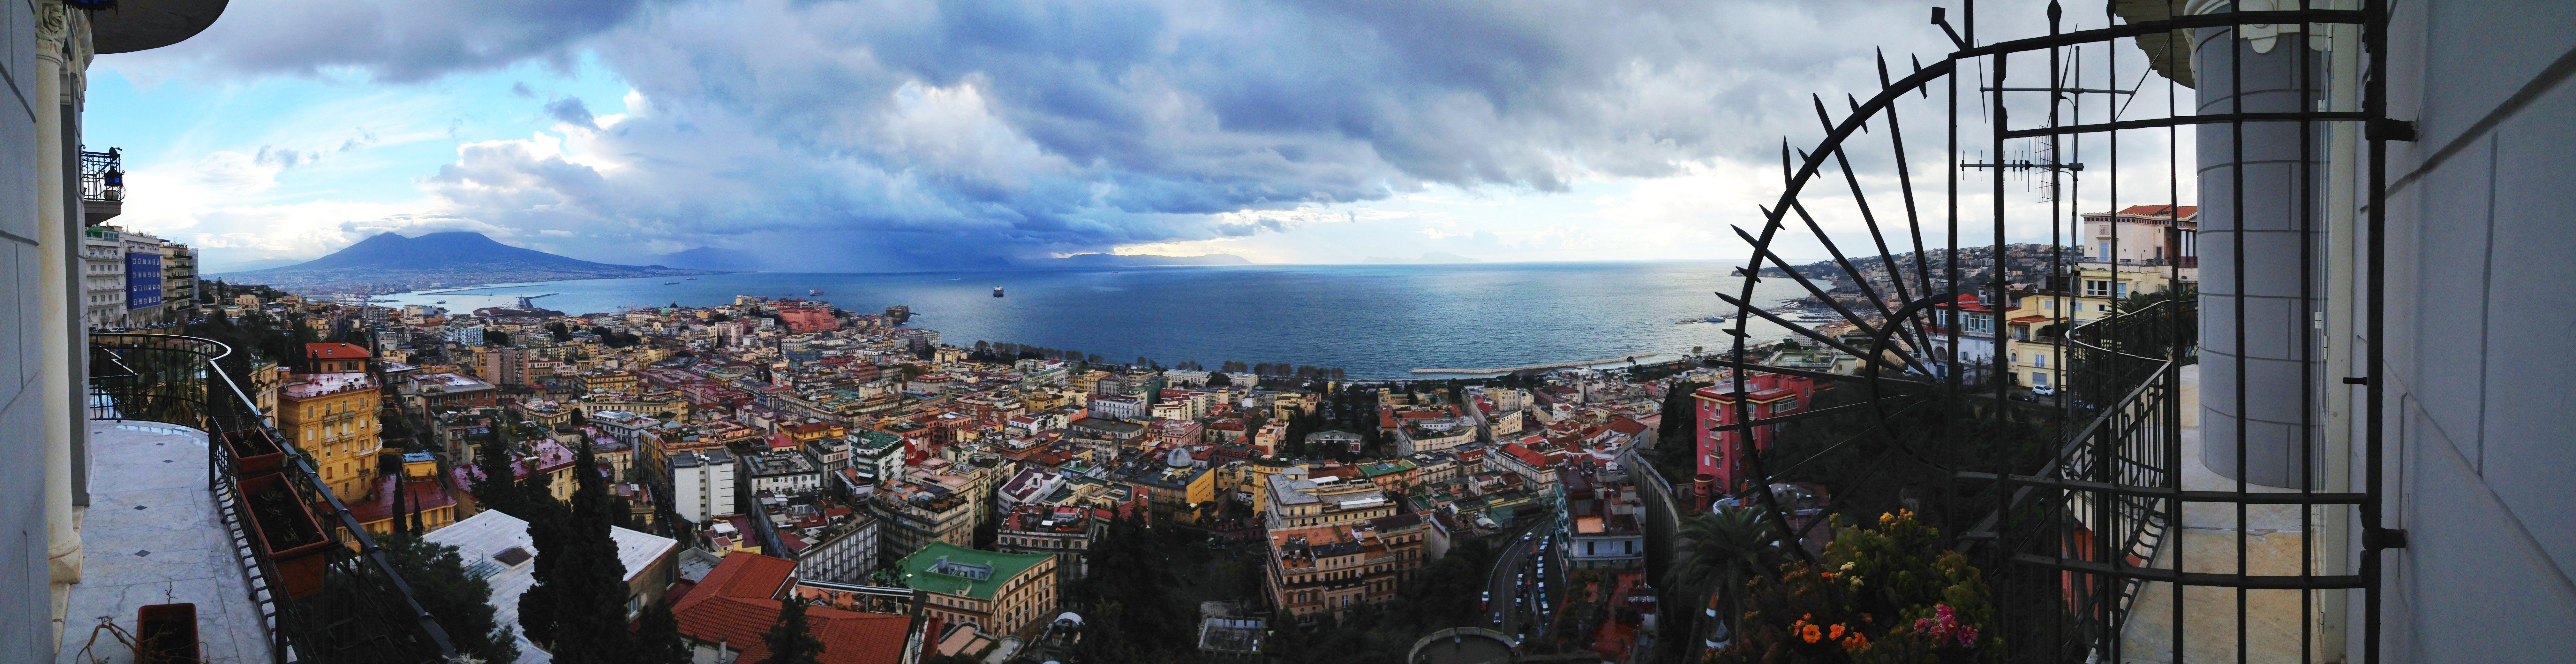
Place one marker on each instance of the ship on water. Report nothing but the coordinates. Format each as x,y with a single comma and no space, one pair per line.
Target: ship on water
997,291
814,291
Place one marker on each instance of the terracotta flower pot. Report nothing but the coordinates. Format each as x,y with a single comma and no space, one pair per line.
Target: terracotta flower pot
284,527
254,453
166,634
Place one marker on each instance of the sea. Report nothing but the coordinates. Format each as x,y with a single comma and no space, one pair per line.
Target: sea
1372,321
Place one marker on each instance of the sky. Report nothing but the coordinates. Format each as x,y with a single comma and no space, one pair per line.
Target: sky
909,135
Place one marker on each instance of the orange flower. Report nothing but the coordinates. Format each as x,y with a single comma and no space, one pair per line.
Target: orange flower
1811,634
1855,641
1835,633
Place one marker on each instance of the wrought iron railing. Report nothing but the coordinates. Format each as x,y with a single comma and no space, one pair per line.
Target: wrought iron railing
103,176
2068,502
362,610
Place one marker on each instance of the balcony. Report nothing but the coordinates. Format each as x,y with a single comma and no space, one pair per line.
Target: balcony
172,520
102,185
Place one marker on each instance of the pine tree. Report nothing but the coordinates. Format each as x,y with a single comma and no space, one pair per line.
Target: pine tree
790,642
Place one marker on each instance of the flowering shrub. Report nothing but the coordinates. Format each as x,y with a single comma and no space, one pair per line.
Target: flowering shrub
1880,595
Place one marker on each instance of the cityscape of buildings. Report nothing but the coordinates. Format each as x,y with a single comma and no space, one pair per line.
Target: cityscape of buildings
222,471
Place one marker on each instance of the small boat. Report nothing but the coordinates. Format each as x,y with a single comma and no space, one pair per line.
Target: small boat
997,291
693,279
814,291
670,283
442,302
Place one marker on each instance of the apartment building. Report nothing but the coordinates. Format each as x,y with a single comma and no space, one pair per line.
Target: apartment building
1000,592
331,415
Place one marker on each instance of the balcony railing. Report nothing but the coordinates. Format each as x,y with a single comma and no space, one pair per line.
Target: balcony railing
363,611
103,176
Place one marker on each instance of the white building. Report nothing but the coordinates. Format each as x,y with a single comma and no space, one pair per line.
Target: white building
102,277
497,548
1118,407
702,485
842,552
783,472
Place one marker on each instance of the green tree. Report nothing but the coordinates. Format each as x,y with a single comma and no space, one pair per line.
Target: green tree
497,488
657,637
790,641
588,583
461,602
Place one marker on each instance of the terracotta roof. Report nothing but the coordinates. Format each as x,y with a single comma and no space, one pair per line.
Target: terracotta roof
333,350
421,495
2158,210
738,602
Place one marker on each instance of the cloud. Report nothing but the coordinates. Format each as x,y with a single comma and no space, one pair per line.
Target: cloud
570,110
387,40
905,134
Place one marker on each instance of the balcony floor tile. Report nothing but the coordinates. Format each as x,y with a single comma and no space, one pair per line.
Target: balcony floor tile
161,469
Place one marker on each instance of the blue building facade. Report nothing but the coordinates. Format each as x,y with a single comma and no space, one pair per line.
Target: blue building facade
142,280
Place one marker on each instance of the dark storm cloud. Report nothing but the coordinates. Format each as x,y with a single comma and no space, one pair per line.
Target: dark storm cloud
909,132
396,40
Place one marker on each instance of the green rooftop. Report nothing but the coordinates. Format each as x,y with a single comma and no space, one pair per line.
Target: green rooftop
950,569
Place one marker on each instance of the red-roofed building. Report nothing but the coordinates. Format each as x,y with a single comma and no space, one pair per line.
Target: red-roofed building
724,615
335,357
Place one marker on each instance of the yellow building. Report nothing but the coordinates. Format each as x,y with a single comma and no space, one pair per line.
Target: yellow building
331,416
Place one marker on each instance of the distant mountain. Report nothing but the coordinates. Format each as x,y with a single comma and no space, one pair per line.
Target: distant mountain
390,262
1136,260
246,266
711,258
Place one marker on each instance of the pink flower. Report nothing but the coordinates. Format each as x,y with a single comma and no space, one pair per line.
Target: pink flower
1968,637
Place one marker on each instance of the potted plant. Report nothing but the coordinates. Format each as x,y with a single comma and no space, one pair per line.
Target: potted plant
166,634
254,453
284,527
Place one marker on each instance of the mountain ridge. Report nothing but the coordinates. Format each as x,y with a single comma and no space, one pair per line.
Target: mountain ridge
392,261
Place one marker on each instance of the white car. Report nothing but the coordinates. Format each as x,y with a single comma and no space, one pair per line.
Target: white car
2042,390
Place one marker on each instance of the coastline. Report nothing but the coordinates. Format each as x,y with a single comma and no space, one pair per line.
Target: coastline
1534,367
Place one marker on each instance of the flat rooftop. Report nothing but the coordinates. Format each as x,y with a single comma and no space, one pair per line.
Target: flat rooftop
152,536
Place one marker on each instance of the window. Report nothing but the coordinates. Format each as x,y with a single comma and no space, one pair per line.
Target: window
2039,379
2039,360
2097,287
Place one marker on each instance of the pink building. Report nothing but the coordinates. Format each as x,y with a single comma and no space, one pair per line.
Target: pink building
808,320
1721,465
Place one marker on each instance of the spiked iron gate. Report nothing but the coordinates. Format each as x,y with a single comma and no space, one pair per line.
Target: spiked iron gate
2073,529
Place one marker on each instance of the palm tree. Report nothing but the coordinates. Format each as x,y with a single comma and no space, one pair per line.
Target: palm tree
1716,550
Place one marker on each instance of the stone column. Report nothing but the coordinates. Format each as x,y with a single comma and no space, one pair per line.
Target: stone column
2276,211
60,246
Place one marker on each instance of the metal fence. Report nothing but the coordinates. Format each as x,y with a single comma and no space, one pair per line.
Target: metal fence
2072,537
103,176
363,610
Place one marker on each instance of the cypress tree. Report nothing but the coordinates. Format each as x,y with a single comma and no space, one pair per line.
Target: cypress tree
790,642
497,489
657,637
461,602
588,583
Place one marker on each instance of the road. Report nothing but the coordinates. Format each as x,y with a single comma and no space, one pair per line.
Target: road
1514,584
